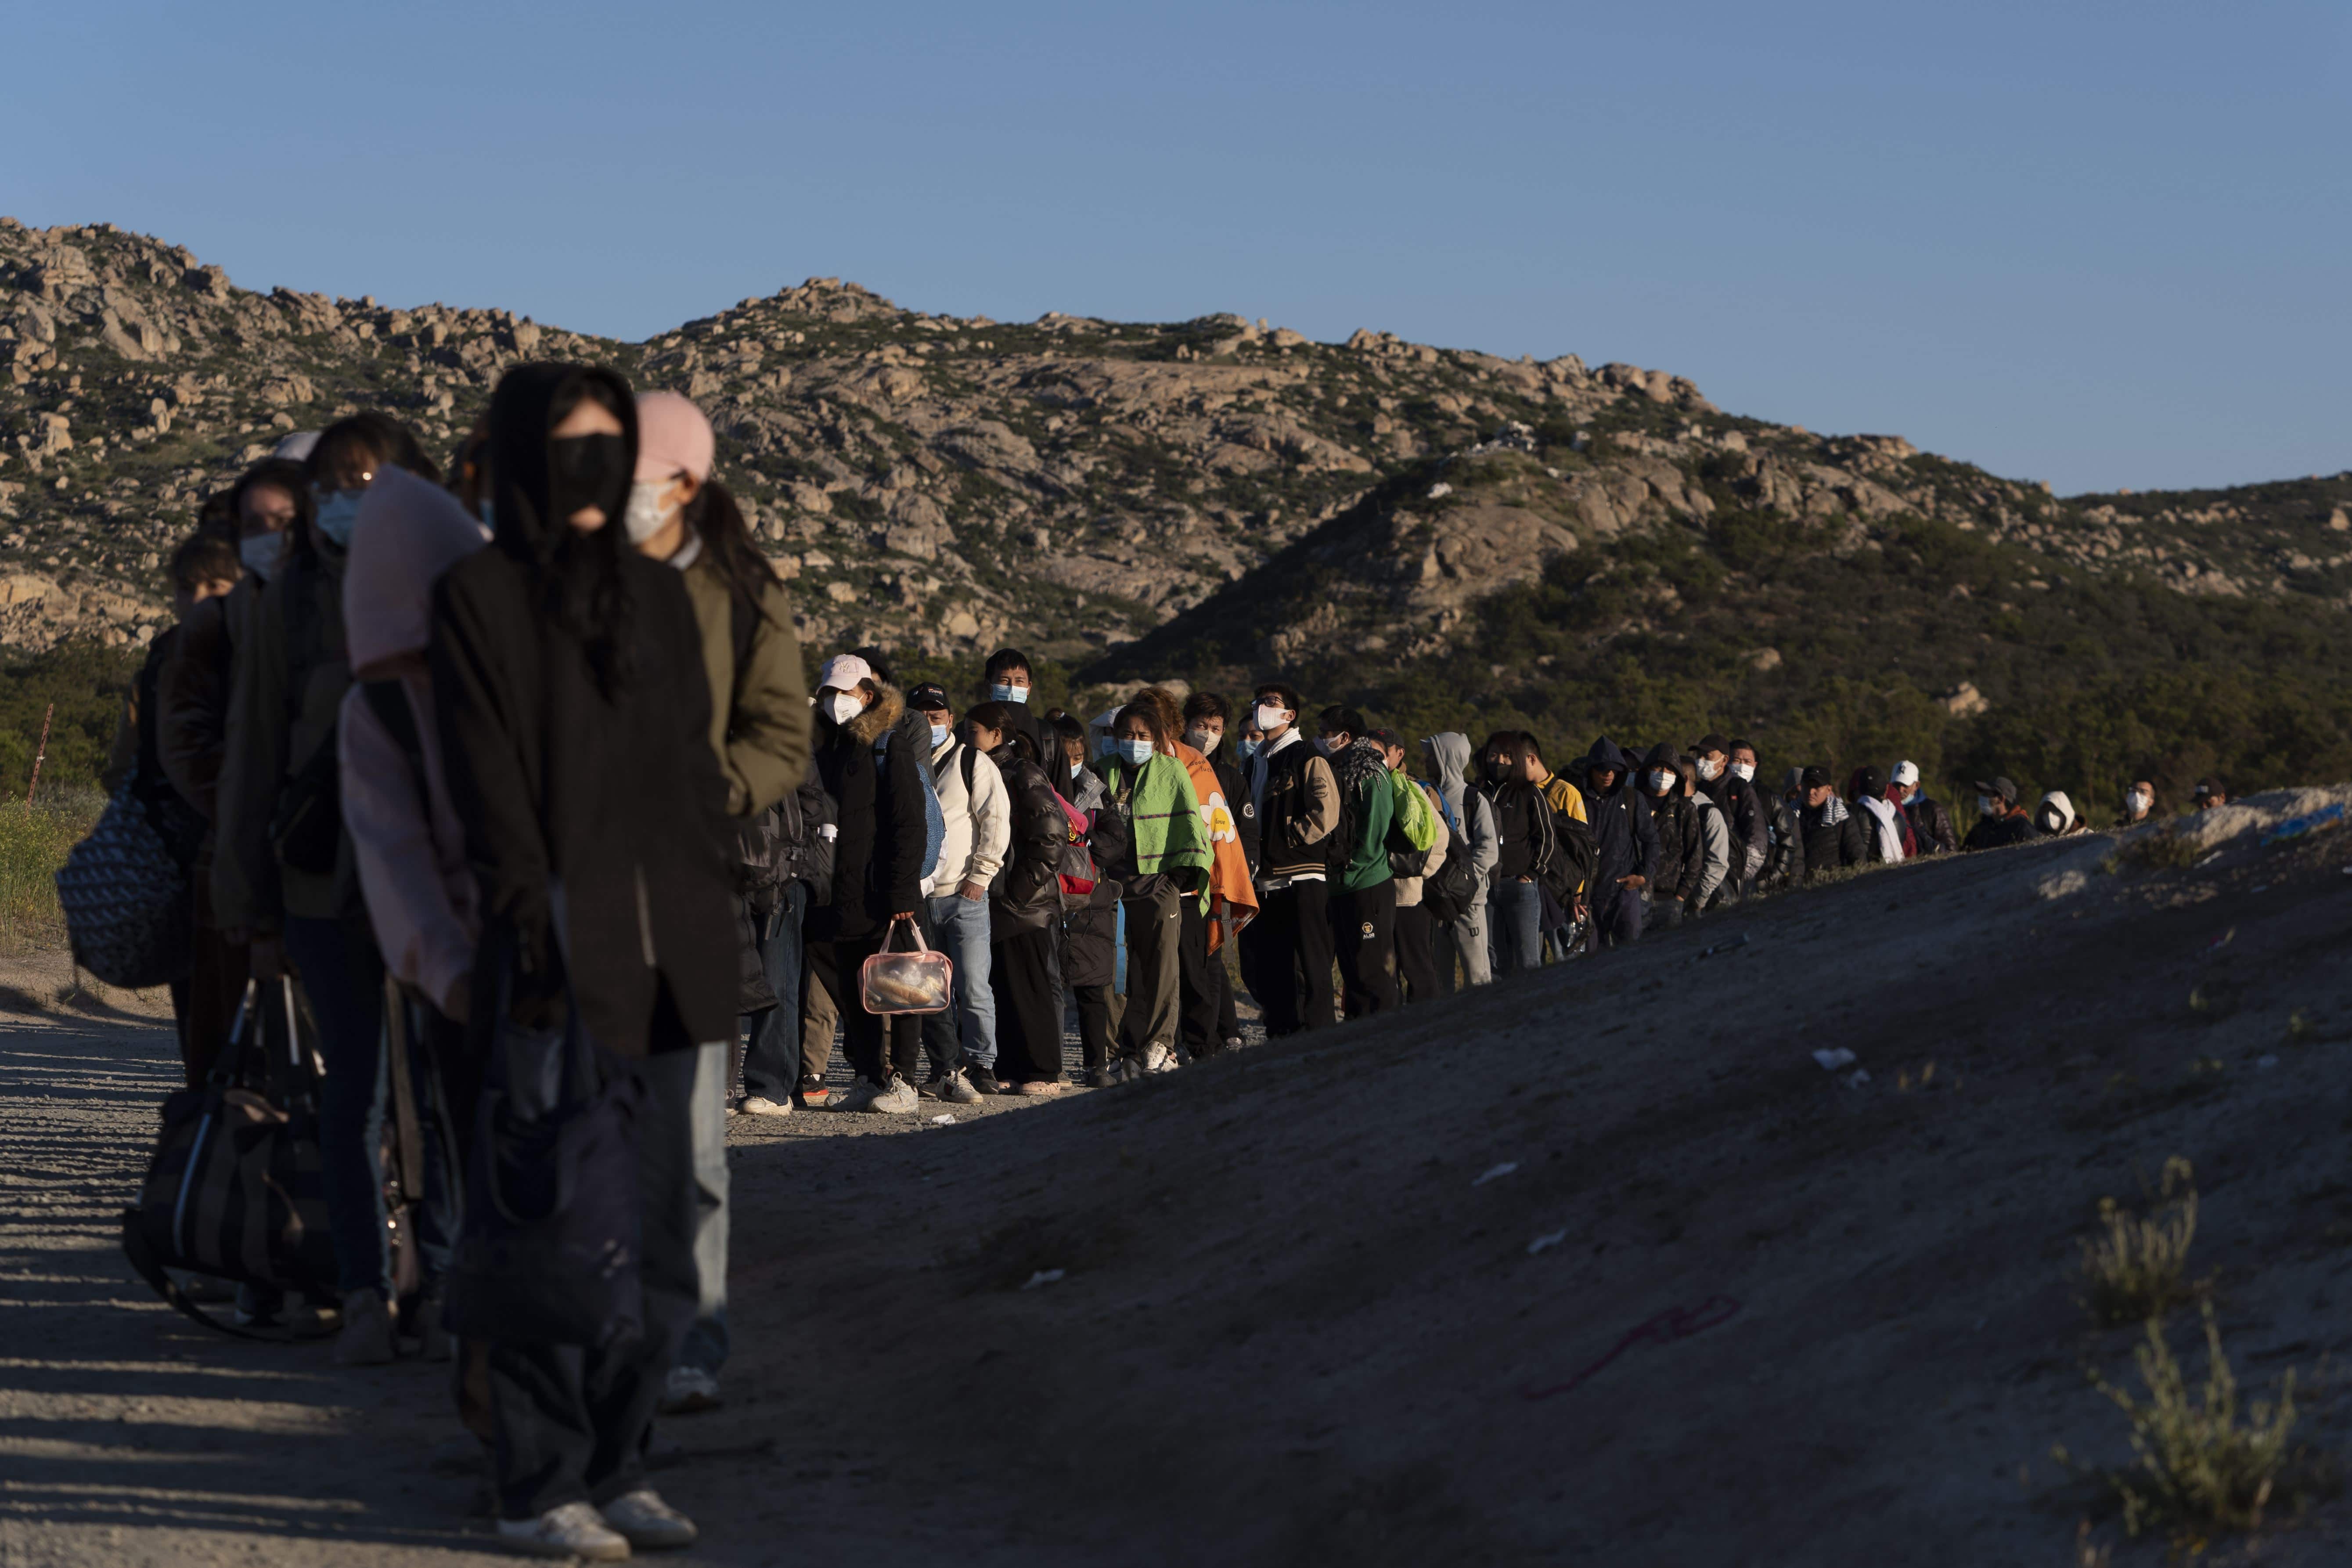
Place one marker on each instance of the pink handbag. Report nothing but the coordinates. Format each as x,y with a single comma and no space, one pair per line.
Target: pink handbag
917,982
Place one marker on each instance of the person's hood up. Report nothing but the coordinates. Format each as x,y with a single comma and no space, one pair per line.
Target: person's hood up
410,531
2057,799
522,412
1607,753
1664,755
1791,781
1450,751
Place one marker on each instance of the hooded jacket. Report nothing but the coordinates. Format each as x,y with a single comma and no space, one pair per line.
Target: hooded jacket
1089,934
1449,752
1829,836
1714,852
1625,836
1748,818
759,707
1681,849
594,809
409,847
1359,854
2060,810
880,836
1025,894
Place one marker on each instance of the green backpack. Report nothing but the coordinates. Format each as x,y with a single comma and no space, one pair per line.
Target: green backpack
1412,826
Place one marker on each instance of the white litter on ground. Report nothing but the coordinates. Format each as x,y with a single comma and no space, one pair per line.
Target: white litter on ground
1043,1277
1861,1076
1832,1061
1497,1173
943,1121
1549,1238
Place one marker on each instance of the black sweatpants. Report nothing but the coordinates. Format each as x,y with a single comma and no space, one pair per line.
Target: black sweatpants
1094,1025
1028,1006
1416,952
1196,984
1294,964
835,966
1363,937
571,1423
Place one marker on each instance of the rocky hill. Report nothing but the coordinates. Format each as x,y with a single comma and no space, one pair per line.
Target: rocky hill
939,483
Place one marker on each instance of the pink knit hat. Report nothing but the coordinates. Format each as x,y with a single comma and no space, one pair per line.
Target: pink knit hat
672,436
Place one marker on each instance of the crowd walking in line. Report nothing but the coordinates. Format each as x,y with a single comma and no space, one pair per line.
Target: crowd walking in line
505,805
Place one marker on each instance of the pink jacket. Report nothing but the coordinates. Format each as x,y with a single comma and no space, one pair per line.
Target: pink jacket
405,837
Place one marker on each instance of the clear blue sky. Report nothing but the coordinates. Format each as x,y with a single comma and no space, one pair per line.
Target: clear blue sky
2102,245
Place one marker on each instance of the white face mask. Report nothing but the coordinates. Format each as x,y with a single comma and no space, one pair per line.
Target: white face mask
1709,769
2137,802
648,512
1135,752
260,553
1272,719
1200,741
1988,806
1659,780
1744,771
843,706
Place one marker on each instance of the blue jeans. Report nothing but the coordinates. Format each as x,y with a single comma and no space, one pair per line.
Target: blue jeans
960,927
1515,915
772,1066
342,975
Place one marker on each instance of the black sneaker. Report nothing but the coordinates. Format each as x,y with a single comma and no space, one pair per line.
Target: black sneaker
813,1094
982,1078
1099,1077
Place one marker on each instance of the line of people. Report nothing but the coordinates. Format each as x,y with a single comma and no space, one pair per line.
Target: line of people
525,754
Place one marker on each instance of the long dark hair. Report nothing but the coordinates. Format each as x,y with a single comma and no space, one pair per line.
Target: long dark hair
581,590
719,522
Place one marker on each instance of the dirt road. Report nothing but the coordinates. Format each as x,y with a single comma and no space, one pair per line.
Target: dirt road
1597,1265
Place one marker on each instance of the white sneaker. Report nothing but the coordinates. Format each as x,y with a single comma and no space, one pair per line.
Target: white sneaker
858,1096
646,1520
573,1529
760,1105
899,1098
1159,1059
688,1389
957,1090
366,1339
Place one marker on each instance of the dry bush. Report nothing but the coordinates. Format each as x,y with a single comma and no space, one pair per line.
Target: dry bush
2137,1269
2200,1469
2165,850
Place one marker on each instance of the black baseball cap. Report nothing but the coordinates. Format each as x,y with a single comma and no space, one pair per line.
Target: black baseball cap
1386,738
1710,742
1814,777
929,696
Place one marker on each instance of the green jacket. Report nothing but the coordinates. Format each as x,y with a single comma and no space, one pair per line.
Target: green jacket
1165,814
1374,809
759,712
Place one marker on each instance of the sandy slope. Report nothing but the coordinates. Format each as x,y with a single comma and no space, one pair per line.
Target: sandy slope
1293,1327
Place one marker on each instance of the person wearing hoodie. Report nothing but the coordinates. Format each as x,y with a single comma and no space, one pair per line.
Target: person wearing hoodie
2000,820
1887,832
978,812
1089,942
2055,816
1286,951
407,843
1682,844
1165,860
1625,849
1715,843
1829,835
1786,868
1024,904
1527,842
1363,888
868,766
679,514
1416,934
1465,941
1727,776
574,717
1932,832
282,876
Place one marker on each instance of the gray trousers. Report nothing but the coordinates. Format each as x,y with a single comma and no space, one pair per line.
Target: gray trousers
705,1345
1465,939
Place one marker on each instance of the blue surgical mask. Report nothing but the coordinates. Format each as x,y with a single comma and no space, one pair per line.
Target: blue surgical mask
1001,692
1247,747
938,736
1135,752
339,514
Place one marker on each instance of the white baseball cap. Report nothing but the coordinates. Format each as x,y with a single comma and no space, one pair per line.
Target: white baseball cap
1906,774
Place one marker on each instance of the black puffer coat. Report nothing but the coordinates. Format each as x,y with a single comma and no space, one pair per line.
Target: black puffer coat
1027,892
879,832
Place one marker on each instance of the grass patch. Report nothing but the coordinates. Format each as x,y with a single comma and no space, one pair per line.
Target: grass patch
2137,1267
2201,1470
2166,849
33,845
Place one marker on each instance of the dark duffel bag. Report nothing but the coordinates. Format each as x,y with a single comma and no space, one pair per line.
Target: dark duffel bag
235,1188
130,915
549,1249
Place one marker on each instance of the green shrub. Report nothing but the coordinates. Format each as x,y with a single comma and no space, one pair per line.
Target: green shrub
2136,1269
33,845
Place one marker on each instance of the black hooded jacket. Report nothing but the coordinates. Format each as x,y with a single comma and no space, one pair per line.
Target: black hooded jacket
877,850
1749,820
595,815
1682,852
1624,839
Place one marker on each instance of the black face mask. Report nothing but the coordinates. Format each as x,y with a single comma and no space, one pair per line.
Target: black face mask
588,470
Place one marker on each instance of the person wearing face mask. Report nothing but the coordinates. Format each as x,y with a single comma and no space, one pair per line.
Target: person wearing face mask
1682,845
1887,833
574,711
1715,844
2054,817
1167,860
1932,832
1205,991
1006,678
282,880
1286,952
1625,846
1727,776
1826,834
979,816
1463,940
1025,903
1087,952
2139,803
1415,946
679,514
873,773
2000,820
1527,847
1363,886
